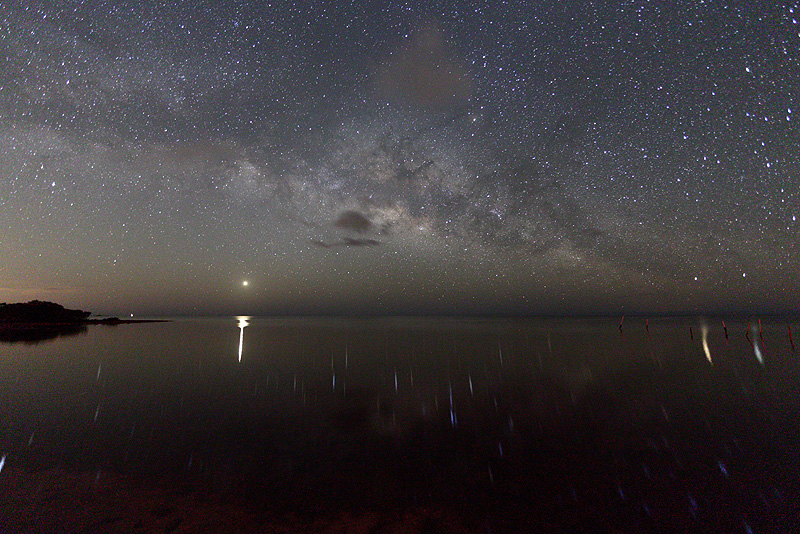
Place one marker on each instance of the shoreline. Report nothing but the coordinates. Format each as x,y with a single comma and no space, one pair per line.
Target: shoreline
37,331
48,325
117,320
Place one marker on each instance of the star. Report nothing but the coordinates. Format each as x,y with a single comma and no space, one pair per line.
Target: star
390,163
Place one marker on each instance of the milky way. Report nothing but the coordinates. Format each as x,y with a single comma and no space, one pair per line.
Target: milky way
425,157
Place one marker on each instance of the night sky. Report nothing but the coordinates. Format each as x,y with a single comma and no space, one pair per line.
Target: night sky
400,157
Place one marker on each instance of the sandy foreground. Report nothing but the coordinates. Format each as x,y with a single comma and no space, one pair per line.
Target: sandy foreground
59,501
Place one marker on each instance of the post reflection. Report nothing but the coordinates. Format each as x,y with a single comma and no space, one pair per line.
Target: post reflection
243,322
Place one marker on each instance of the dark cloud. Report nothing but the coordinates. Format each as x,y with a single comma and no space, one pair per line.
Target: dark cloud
353,221
347,242
360,242
426,72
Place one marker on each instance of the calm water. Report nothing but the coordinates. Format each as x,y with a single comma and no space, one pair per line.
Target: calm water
509,425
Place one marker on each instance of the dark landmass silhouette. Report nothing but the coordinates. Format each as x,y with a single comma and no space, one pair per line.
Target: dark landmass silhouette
37,320
37,311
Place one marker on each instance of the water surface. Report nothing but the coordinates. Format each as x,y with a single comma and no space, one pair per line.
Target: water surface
485,425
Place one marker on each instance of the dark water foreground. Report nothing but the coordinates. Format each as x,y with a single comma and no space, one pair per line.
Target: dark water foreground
398,425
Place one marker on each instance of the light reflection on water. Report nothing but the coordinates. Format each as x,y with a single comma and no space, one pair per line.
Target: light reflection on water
242,322
591,415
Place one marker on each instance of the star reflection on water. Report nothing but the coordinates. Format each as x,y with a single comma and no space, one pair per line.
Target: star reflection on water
460,425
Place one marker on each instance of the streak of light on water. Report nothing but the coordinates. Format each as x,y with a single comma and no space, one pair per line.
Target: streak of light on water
722,468
704,335
453,418
450,391
693,506
756,347
242,323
